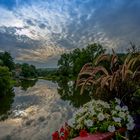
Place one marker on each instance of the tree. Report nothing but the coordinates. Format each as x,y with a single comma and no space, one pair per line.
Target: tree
86,55
28,70
71,63
65,66
5,78
7,60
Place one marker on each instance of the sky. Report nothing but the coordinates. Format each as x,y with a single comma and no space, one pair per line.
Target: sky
39,31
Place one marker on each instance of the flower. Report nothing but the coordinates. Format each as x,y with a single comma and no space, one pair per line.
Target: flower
122,115
92,111
66,134
88,123
125,108
111,128
83,133
100,116
71,122
113,112
118,101
130,126
62,130
55,135
96,115
118,108
116,119
130,119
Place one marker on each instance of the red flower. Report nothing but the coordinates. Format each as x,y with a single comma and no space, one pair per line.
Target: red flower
62,138
66,133
83,133
62,130
55,135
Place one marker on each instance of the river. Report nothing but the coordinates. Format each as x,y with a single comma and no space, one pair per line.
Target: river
39,110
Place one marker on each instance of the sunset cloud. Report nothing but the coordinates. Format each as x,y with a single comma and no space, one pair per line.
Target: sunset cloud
61,25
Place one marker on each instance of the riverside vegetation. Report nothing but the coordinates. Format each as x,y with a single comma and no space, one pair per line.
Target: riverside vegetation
106,77
89,71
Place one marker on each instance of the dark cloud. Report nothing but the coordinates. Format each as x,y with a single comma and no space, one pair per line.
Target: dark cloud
30,22
70,24
42,25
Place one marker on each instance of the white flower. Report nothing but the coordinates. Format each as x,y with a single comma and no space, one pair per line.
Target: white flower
92,111
79,120
113,112
118,108
78,126
106,105
116,119
100,116
111,128
122,115
130,126
118,101
71,122
125,108
88,123
130,119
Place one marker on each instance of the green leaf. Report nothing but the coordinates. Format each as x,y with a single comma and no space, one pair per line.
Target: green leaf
93,129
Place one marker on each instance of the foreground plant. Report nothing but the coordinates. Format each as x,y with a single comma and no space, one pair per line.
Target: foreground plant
112,77
98,116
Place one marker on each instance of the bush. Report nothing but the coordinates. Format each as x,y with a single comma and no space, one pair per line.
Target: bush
5,81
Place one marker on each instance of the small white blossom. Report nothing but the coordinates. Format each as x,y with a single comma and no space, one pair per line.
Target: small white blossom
111,128
88,123
125,108
130,119
122,115
100,116
118,101
71,122
106,105
116,119
130,126
92,111
113,112
118,108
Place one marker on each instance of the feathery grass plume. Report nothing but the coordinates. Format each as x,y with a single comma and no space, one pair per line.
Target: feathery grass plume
100,77
102,57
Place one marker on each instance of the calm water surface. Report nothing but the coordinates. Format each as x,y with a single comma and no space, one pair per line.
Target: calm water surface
40,109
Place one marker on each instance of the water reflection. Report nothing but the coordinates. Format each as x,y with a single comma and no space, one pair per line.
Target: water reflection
68,92
34,112
39,110
25,84
5,105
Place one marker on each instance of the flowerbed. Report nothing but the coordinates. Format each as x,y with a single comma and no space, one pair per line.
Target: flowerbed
96,116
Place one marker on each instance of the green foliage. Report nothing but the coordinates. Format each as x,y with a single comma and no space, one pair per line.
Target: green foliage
120,79
47,73
25,84
67,92
28,71
5,78
5,104
7,60
71,63
6,94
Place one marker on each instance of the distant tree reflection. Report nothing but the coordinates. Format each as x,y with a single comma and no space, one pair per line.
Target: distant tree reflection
5,105
25,84
68,92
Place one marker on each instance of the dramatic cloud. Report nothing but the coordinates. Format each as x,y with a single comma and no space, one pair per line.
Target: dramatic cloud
40,54
41,30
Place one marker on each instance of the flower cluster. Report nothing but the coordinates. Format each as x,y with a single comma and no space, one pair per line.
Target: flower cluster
98,115
101,116
62,134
